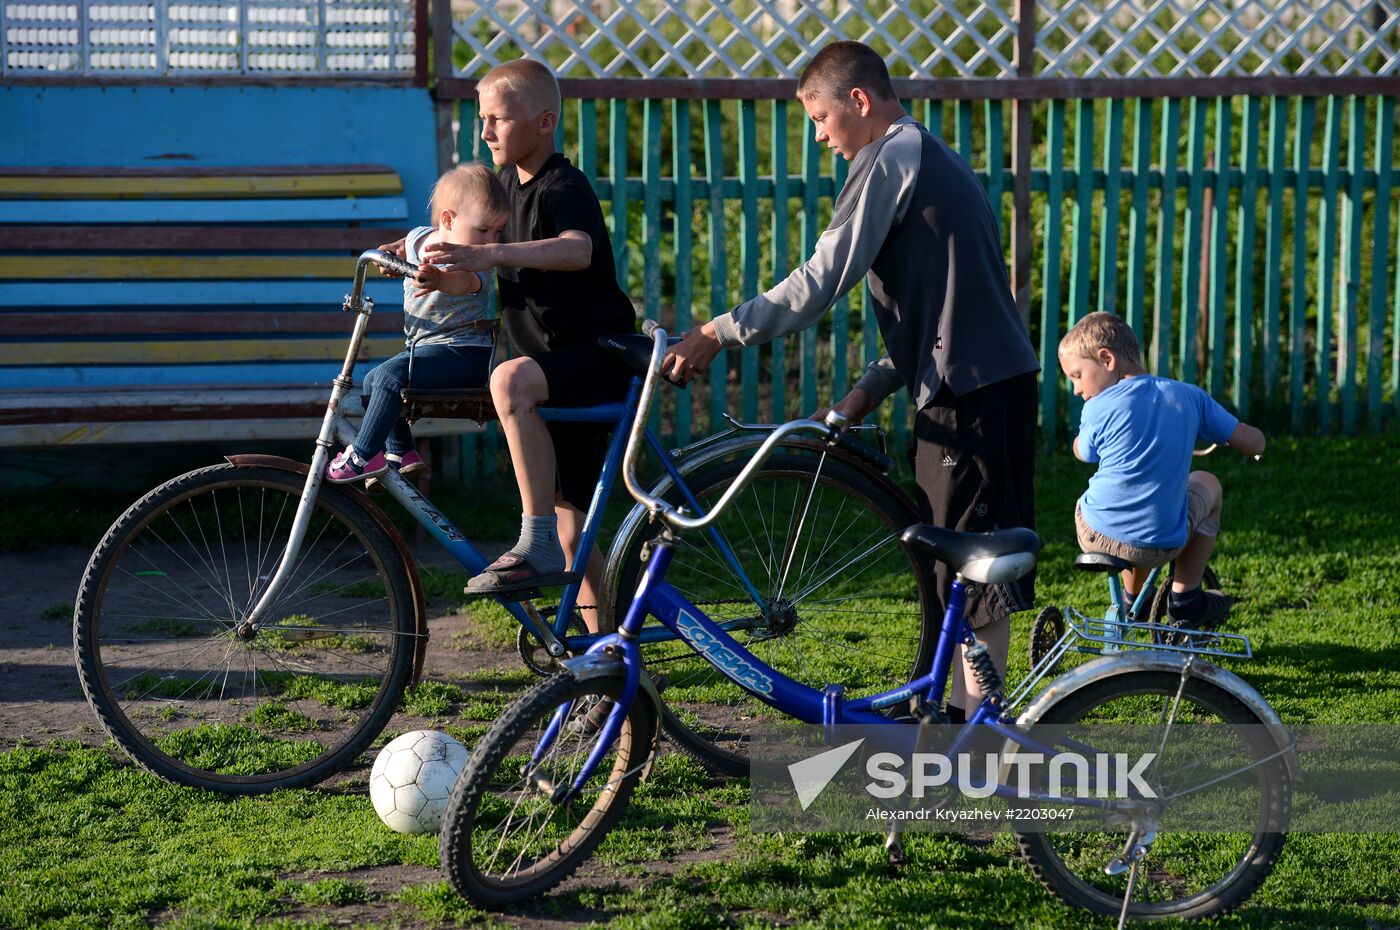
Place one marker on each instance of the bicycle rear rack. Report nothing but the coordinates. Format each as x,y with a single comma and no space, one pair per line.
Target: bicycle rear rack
1099,636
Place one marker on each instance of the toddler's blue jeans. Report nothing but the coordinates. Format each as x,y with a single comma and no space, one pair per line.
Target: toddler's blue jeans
435,367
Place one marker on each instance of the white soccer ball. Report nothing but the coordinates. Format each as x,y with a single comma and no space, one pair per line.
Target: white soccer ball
412,779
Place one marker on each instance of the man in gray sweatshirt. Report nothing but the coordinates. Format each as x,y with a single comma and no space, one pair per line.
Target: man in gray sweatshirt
914,220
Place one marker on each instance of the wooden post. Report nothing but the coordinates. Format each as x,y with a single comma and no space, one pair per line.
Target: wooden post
443,109
420,43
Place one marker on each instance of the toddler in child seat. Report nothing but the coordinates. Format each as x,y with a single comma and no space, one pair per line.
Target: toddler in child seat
1144,504
444,320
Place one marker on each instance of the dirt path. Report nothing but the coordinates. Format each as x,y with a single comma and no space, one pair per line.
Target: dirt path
40,697
41,701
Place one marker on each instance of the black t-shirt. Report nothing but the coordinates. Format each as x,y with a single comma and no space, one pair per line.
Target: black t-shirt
548,310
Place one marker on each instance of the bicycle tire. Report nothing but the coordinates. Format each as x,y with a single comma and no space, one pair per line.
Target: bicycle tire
1047,630
1180,868
494,793
707,716
170,680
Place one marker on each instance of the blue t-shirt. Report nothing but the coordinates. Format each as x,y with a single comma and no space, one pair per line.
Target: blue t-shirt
1142,431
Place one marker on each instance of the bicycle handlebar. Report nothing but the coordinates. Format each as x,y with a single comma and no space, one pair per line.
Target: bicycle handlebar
865,452
390,262
385,260
830,430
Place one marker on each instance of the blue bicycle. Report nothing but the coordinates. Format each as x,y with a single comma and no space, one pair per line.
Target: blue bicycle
554,773
247,627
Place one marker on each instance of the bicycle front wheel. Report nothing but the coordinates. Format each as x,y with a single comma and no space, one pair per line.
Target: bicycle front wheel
807,571
188,698
1224,789
514,826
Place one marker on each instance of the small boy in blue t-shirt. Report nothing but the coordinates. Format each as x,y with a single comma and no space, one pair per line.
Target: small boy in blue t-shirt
1144,504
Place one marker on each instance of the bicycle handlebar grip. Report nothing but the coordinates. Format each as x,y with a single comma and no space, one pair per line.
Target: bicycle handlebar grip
866,453
649,328
390,262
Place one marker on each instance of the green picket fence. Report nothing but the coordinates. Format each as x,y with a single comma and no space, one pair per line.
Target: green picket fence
1268,281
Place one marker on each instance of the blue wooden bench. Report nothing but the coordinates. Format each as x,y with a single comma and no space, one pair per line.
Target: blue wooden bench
169,304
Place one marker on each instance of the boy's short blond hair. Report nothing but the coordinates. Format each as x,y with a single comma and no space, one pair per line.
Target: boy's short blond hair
526,81
469,183
1102,330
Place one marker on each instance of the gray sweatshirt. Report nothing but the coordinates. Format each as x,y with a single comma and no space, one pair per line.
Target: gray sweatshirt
915,219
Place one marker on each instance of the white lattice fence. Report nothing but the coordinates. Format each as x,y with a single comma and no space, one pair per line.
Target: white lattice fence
927,39
182,37
1214,38
742,39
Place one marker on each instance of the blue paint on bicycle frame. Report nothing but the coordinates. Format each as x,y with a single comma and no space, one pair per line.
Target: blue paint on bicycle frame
658,598
954,632
721,656
612,464
667,604
601,413
632,659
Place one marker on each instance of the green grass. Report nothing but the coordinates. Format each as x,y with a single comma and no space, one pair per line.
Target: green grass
1311,546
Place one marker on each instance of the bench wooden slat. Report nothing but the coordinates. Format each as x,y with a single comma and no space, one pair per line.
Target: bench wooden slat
194,320
166,304
193,171
106,377
195,412
193,293
168,267
23,407
192,188
210,428
168,352
192,239
311,209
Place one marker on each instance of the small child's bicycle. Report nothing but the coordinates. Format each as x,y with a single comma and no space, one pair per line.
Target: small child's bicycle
247,626
1144,622
555,772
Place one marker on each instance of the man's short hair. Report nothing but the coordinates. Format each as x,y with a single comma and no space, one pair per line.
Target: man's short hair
527,82
470,183
842,66
1102,330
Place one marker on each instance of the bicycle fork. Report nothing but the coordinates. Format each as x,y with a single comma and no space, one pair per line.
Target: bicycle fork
362,307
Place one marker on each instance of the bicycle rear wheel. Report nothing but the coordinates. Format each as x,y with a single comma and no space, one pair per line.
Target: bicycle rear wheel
1226,798
190,699
510,832
839,598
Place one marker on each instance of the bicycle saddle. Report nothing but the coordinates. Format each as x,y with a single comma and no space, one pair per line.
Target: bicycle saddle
1101,562
987,558
633,350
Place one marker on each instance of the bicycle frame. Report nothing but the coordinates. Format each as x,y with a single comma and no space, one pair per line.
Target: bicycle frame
553,634
657,598
335,428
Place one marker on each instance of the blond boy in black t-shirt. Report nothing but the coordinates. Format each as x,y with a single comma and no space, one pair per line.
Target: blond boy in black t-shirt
559,294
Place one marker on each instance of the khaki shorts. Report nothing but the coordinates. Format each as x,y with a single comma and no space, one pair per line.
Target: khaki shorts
1198,507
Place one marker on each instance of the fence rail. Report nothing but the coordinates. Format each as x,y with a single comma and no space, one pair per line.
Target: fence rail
1249,241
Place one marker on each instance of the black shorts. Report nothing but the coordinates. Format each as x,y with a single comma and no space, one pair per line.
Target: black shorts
974,463
580,376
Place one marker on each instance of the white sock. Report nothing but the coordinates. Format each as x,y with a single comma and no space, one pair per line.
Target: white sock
539,543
